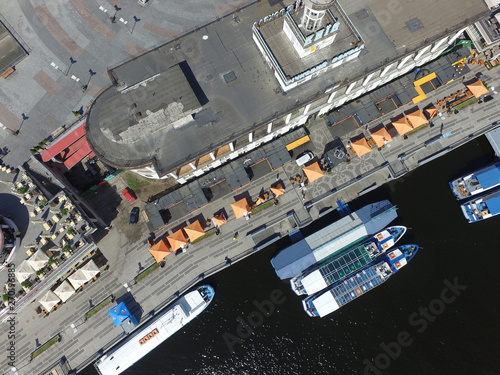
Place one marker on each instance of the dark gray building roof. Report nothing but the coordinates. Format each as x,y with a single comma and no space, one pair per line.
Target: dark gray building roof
230,78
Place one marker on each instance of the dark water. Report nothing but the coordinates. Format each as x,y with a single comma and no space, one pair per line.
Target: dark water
458,337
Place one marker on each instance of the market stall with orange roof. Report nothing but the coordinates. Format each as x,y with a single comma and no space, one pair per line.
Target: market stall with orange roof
219,219
416,118
361,146
194,231
241,208
431,111
402,126
381,136
278,189
477,88
160,250
177,240
313,172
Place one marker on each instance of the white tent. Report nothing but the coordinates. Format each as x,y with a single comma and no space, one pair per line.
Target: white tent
64,291
78,279
38,260
90,269
23,271
49,300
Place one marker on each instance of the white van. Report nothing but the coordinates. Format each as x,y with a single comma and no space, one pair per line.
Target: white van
304,158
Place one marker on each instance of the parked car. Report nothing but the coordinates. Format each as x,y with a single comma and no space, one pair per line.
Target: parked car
304,158
129,195
134,215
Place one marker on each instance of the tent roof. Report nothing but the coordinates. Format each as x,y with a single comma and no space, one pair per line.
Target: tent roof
240,208
416,118
90,269
432,111
361,146
381,136
160,250
313,172
78,279
177,239
119,313
477,88
219,219
64,291
49,300
278,190
194,230
23,271
402,125
38,260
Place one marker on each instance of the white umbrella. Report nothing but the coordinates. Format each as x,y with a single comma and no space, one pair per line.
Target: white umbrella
90,269
78,279
23,271
49,300
38,260
64,291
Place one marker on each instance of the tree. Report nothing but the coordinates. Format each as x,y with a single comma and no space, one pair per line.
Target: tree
25,284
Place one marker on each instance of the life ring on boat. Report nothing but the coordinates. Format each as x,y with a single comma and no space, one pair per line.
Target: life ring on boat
385,246
379,236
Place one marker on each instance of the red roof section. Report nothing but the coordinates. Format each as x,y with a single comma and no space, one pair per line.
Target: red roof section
77,156
64,143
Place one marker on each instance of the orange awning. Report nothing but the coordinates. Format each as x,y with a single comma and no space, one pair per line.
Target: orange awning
313,172
402,126
194,230
177,240
416,118
160,250
381,136
431,111
477,88
219,219
361,146
278,190
240,208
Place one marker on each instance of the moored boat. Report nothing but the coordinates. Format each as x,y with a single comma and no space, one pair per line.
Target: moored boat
343,292
482,208
168,321
344,264
477,182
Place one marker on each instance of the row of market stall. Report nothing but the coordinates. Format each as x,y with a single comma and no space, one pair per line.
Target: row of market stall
406,123
180,239
68,287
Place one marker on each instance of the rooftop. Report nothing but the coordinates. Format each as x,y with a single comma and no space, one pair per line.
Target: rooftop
241,92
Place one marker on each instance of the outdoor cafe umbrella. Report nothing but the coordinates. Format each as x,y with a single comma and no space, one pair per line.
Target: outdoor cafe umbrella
313,172
361,146
431,111
240,208
90,269
278,190
219,219
194,231
160,250
477,88
402,126
64,291
49,300
38,260
78,279
381,136
23,271
177,240
416,118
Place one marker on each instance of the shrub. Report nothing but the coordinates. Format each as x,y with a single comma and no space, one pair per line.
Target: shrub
43,202
6,297
40,271
22,190
64,211
25,284
66,248
51,261
71,231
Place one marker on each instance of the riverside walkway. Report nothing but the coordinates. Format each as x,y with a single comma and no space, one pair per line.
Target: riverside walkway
81,346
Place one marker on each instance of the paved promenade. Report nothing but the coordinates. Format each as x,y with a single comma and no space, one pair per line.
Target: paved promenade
127,257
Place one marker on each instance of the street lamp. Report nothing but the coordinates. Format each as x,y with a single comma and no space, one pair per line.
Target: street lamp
113,18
